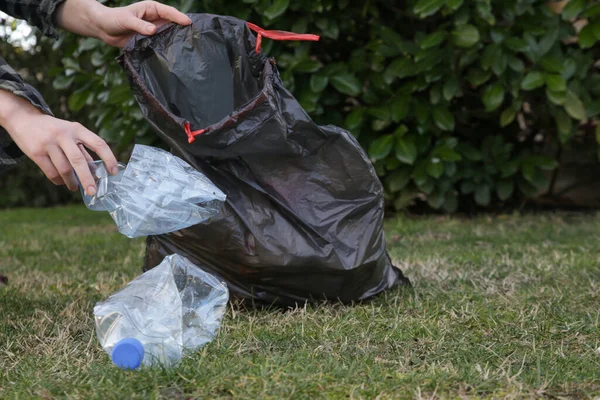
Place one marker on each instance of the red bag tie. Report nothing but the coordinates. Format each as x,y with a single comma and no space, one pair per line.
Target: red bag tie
279,35
190,133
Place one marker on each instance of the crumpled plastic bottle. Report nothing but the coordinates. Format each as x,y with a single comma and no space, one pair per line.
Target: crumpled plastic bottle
162,315
155,193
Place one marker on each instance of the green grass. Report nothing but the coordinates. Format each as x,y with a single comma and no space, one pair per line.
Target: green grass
503,307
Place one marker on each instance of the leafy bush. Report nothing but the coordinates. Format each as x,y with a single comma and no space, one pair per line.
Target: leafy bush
457,102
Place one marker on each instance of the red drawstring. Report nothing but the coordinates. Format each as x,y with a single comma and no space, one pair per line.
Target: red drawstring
279,35
192,134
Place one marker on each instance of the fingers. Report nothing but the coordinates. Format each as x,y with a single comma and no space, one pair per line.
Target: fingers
170,13
87,155
138,25
63,166
80,165
48,169
98,146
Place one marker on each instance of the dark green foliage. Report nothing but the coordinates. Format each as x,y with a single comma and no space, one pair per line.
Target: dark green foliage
458,103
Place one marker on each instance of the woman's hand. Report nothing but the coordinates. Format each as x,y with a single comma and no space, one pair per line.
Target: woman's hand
55,145
115,26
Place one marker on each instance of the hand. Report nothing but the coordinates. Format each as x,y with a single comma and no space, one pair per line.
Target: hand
55,145
115,26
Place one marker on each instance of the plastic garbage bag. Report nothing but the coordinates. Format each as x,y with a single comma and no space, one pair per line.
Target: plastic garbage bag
154,193
303,219
162,315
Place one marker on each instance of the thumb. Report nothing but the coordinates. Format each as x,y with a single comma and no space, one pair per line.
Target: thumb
139,25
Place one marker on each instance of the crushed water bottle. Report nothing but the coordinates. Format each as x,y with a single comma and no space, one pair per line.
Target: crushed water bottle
162,315
155,193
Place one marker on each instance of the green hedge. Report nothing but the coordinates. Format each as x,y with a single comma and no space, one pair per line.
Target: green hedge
458,103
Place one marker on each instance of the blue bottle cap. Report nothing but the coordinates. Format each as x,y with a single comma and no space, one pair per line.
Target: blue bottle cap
128,353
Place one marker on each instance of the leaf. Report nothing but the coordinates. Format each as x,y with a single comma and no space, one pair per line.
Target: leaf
491,55
493,97
553,64
346,83
77,100
484,9
446,153
421,112
450,88
332,31
591,12
398,179
556,83
478,77
276,9
532,80
570,67
443,118
543,162
564,125
548,41
381,147
505,188
483,194
62,82
88,44
465,36
557,98
432,40
435,168
575,107
425,8
400,107
379,125
69,63
516,64
573,9
454,5
382,112
435,94
596,29
406,150
318,83
308,65
118,95
97,59
598,133
354,119
587,38
400,68
507,117
516,44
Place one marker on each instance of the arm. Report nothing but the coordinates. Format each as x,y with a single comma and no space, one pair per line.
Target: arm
58,147
55,145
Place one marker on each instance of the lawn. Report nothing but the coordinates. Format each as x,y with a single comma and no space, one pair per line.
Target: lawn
502,307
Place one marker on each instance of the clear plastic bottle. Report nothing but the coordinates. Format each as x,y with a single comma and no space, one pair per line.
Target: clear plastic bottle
161,315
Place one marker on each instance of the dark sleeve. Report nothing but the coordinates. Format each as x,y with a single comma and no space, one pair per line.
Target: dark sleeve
12,82
39,13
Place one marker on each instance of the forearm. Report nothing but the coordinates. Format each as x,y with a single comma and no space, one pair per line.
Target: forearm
80,17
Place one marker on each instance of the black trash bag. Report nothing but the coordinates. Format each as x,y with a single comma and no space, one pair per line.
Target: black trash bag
303,220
